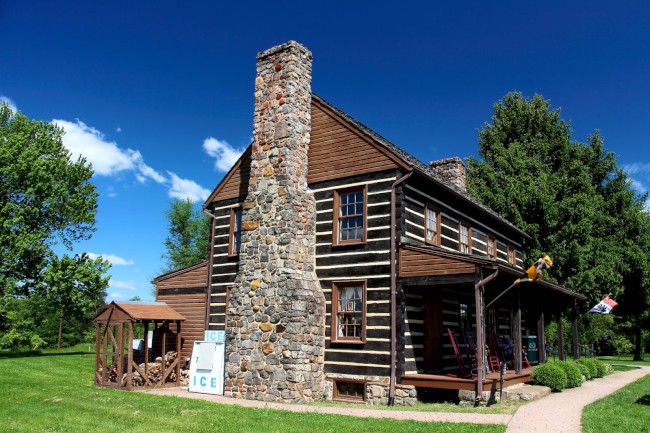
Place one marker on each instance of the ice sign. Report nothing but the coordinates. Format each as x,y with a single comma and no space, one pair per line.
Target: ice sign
218,336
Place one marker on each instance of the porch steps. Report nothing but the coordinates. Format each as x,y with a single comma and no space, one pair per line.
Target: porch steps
524,392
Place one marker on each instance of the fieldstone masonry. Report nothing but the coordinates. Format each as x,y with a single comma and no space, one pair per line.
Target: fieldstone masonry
452,170
276,309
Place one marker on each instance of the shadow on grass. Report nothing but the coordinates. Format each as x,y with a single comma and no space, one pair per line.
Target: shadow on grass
645,400
35,353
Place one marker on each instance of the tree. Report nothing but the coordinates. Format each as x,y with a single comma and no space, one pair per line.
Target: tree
570,197
188,241
75,287
46,198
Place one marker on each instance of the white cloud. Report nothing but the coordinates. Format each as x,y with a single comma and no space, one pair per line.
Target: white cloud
106,156
108,159
185,188
113,259
9,102
127,285
118,129
223,152
640,177
637,167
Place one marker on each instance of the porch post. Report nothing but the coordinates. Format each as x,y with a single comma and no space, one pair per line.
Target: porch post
560,333
517,336
480,347
575,349
541,336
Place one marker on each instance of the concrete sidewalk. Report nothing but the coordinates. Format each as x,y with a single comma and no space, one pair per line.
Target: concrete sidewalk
559,412
562,411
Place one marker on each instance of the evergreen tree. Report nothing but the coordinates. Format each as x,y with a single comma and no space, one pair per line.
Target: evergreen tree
570,197
188,241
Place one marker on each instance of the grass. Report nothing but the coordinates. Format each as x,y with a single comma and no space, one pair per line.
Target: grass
53,392
624,359
507,407
627,410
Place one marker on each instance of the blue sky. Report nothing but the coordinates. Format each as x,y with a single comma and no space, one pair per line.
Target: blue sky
159,95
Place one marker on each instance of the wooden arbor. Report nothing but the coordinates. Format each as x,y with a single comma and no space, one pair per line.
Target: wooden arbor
115,365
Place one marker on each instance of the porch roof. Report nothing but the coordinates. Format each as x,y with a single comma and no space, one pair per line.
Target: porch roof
429,260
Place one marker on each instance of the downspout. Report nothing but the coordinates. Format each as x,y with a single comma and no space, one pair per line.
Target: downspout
480,334
393,288
207,301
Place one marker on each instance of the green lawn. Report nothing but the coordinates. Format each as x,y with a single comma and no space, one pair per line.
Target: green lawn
625,411
53,392
624,359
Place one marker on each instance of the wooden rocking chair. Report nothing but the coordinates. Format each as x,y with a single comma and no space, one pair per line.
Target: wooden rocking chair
465,359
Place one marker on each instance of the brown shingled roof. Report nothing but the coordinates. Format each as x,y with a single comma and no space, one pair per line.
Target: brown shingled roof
140,311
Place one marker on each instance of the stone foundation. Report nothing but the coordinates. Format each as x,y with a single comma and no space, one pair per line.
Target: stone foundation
377,390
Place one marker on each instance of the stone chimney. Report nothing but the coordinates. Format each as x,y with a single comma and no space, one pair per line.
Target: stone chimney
451,170
276,310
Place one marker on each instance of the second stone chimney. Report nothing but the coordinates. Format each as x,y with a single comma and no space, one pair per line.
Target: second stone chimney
276,310
451,170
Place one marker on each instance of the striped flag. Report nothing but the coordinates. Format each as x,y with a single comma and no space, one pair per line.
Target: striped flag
604,306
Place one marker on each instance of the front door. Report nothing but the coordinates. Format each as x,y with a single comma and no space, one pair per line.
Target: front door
433,334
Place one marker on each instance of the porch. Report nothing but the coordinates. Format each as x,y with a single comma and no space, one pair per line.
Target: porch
492,381
457,306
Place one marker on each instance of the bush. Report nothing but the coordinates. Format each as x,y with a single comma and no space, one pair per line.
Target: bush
551,375
601,367
584,370
596,367
573,373
589,363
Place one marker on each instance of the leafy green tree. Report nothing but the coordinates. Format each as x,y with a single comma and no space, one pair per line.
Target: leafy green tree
46,198
75,287
571,197
188,241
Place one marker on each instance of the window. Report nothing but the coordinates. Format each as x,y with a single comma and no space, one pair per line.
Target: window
491,246
235,232
349,312
349,390
464,238
431,225
349,216
512,255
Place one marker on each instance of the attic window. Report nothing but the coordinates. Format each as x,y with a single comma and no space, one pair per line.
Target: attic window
349,216
464,238
431,225
234,245
491,246
512,255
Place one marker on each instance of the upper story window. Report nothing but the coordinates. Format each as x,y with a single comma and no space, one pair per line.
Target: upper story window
431,225
349,312
491,246
234,245
464,238
349,216
512,255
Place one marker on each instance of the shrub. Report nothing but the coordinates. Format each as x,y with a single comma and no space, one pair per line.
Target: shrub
551,375
596,367
573,373
601,367
584,370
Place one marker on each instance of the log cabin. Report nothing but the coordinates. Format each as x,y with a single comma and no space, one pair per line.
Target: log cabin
341,267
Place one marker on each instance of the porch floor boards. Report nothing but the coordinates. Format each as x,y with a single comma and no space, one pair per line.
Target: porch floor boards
491,380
